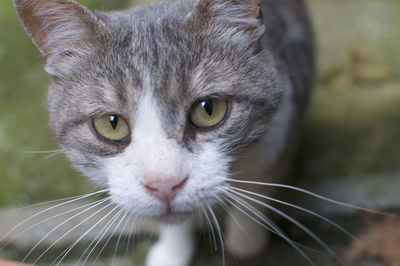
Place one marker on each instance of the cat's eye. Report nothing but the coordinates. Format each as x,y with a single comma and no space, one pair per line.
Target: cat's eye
111,127
208,113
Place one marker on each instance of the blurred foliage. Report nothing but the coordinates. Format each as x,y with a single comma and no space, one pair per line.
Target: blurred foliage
354,119
352,127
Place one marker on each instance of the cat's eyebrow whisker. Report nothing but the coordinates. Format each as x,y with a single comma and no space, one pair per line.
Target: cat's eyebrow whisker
49,209
294,221
69,231
112,234
51,153
65,253
41,152
268,224
340,228
315,195
47,219
220,234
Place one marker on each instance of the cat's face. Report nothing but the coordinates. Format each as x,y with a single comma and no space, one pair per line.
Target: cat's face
155,103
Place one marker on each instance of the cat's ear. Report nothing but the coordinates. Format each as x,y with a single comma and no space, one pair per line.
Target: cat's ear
244,15
59,28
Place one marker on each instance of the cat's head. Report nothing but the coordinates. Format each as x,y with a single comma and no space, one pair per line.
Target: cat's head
154,103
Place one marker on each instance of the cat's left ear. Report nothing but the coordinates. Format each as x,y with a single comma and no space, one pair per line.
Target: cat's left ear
63,30
244,15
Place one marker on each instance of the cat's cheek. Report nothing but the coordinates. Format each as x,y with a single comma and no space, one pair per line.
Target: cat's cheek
127,192
88,165
209,173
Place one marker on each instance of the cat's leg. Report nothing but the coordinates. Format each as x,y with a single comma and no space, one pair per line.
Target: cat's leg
246,238
247,234
249,225
175,246
266,161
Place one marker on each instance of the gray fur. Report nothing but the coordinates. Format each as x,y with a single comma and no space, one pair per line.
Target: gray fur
101,63
166,42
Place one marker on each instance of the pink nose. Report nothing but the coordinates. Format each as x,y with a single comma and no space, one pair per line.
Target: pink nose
164,189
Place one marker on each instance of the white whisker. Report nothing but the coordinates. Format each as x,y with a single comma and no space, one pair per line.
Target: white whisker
131,235
53,155
315,195
65,253
49,209
211,227
59,200
220,234
294,221
54,229
269,225
120,235
41,152
301,209
229,212
47,219
111,235
97,238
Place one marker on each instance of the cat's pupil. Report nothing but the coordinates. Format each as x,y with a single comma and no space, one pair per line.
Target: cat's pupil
114,121
208,106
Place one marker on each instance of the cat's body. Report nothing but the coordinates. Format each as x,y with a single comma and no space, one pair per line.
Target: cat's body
156,71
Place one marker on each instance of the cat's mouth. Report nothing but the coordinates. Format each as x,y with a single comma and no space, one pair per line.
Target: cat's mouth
174,212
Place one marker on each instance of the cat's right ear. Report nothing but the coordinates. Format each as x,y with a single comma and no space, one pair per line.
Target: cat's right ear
240,15
61,29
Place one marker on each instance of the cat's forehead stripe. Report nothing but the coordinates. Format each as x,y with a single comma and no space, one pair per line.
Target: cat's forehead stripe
120,90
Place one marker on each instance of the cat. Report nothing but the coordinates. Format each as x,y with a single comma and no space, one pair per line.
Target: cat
178,106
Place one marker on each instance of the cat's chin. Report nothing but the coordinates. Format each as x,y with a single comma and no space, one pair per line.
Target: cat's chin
172,217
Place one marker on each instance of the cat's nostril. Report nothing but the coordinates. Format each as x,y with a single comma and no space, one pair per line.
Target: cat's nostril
164,189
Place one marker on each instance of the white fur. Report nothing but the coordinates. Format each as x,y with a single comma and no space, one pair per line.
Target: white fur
151,152
174,248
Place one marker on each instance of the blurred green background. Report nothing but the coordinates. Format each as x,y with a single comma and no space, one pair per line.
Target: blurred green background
353,124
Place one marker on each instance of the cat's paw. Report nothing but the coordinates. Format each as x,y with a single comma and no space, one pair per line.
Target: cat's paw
245,246
162,255
247,241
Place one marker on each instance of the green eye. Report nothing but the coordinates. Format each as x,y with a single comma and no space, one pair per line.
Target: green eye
111,127
208,113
